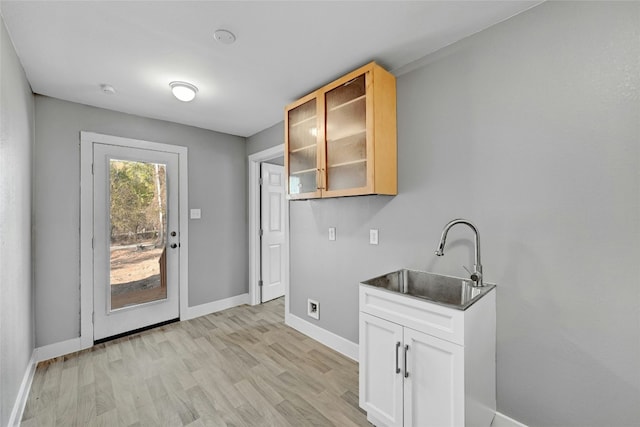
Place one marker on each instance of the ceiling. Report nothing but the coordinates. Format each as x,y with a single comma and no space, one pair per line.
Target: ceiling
283,50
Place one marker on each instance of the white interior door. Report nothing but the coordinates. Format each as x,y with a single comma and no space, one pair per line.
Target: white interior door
136,238
273,254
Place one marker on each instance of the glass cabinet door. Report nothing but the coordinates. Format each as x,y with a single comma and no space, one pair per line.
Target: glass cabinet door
303,148
346,135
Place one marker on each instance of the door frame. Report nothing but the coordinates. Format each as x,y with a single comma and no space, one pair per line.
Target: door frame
86,222
254,225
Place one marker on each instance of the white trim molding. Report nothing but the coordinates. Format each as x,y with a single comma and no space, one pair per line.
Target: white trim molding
58,349
214,306
331,340
254,224
501,420
23,393
86,223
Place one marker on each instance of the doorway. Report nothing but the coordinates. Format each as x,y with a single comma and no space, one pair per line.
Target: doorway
272,249
134,213
136,234
272,226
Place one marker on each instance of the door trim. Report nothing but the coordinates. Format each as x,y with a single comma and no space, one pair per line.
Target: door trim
254,225
86,222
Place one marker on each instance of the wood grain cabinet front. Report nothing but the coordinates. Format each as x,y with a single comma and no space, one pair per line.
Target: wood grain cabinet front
341,139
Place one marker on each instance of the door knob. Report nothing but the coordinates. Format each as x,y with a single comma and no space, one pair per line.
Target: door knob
174,245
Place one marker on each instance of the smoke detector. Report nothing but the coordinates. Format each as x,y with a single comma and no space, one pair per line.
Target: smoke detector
108,89
224,36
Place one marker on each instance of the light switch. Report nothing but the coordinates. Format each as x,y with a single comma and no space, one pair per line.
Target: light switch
195,214
373,236
332,233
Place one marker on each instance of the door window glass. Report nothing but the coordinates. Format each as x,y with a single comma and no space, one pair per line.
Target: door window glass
138,224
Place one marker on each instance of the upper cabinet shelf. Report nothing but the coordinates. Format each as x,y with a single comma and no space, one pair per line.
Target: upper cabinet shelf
343,137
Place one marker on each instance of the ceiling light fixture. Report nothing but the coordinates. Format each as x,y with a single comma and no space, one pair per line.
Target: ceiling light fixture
224,36
184,91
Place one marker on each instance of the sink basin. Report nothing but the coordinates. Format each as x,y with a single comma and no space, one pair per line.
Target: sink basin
449,291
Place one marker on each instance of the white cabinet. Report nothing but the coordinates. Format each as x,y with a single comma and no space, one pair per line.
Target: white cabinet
381,376
423,364
434,379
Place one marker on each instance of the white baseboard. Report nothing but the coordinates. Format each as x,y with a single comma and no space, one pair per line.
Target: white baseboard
331,340
57,349
212,307
501,420
23,393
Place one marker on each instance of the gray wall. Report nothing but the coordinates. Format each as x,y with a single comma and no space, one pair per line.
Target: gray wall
267,138
16,165
531,130
217,182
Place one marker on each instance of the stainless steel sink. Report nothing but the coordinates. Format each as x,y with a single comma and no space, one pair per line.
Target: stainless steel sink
449,291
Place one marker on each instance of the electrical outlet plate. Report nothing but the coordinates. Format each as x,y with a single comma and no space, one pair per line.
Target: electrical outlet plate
373,236
313,309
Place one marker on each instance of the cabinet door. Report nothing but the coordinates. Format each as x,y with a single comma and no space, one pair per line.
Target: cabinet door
434,387
346,136
303,155
381,370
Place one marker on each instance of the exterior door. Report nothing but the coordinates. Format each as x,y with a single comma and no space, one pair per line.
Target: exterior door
136,238
273,254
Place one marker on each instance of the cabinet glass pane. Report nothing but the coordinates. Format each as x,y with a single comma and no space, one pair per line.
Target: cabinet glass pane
346,125
303,142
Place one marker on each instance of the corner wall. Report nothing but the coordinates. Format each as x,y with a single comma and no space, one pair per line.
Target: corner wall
531,129
217,182
16,288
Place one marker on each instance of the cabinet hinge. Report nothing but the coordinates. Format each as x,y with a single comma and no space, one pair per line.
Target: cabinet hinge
261,181
260,283
261,232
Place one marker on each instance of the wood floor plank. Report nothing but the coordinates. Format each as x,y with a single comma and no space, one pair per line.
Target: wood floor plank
267,412
205,408
86,404
67,400
240,367
147,415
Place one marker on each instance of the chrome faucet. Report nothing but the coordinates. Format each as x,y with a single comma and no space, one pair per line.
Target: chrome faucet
476,275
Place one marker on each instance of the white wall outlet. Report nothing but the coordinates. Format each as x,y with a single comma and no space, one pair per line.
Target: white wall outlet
313,309
195,214
373,236
332,233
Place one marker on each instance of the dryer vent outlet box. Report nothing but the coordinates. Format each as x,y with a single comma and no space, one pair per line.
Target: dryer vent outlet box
313,309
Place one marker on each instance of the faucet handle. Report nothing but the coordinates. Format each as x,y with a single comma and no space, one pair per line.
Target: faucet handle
475,276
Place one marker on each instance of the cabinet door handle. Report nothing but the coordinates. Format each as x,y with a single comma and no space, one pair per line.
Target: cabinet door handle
319,179
406,368
397,366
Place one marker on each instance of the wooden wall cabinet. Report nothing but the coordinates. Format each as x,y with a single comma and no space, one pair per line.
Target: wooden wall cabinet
341,139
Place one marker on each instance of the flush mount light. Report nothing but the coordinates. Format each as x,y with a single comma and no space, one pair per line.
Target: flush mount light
224,36
183,91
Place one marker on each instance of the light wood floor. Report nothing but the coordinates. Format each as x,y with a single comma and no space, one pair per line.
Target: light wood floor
238,367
